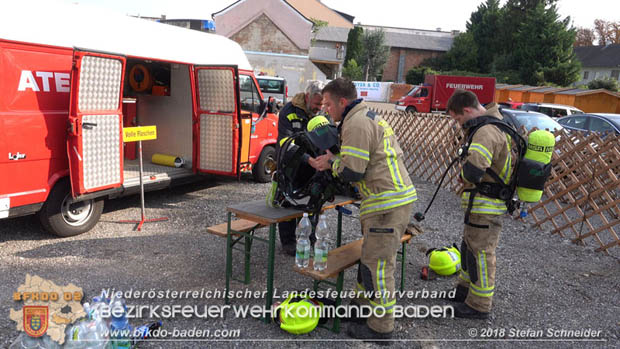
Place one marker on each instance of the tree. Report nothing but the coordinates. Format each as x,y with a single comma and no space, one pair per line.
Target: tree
484,24
352,71
415,76
544,48
585,37
608,84
354,44
608,32
374,53
316,28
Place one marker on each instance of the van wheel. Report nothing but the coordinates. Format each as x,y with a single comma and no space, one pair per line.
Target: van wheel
263,168
411,110
62,216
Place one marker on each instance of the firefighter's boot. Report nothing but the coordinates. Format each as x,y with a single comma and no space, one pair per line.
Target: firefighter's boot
367,334
460,295
465,311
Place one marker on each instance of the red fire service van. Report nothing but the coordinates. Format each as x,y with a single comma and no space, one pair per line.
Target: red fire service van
71,78
437,89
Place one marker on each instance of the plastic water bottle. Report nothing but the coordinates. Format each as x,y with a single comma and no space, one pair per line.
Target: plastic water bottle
321,246
120,330
302,257
523,212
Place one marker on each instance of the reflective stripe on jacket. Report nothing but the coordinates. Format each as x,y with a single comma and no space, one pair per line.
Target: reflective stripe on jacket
369,148
490,147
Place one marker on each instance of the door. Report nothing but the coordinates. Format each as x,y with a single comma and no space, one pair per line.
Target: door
216,119
95,142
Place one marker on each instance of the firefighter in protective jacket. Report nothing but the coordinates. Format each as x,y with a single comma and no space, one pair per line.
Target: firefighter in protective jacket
371,159
488,160
294,118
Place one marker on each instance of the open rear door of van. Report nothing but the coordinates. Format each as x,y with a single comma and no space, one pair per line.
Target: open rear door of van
95,140
215,90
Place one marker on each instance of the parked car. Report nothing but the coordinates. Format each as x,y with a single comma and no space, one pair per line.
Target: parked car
273,86
592,122
529,120
553,110
510,105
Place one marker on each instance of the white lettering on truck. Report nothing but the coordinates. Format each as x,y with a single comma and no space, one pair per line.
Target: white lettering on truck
464,86
28,81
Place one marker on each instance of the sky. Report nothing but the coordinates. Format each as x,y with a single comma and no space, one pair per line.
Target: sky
427,14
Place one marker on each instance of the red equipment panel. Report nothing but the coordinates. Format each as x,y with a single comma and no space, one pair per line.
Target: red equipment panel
95,140
217,118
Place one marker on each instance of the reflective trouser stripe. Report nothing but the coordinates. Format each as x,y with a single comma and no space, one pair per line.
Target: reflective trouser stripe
482,264
381,281
388,307
481,291
464,276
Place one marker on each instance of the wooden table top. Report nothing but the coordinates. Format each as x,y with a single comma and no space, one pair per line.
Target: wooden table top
258,211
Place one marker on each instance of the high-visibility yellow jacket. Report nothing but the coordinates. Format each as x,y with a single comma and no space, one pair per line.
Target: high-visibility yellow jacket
490,147
371,158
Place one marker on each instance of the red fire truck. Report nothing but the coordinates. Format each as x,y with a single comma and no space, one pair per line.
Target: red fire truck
437,89
72,78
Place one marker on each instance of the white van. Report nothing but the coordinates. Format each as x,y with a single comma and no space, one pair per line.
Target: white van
273,86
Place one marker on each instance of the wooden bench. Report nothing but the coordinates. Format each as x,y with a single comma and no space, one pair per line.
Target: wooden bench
242,225
238,226
344,257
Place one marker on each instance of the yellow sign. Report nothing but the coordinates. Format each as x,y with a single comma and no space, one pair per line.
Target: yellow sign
141,133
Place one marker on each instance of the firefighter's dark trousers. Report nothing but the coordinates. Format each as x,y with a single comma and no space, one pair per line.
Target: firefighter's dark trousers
375,273
478,260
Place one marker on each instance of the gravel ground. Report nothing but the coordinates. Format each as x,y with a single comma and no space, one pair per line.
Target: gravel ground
543,281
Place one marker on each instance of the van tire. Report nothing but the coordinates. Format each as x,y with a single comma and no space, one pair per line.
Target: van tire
260,170
411,109
59,218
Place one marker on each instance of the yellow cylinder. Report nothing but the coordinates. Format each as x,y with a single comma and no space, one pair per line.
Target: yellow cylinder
167,160
532,175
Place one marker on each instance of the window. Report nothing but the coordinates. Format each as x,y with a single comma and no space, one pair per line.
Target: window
600,125
250,99
421,93
575,112
559,112
546,110
615,74
578,122
586,74
271,86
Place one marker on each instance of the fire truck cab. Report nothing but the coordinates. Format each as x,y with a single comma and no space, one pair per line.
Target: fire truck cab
73,78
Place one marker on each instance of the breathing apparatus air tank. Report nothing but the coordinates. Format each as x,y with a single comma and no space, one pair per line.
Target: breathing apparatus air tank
535,166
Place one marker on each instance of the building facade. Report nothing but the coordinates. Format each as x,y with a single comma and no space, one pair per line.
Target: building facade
598,62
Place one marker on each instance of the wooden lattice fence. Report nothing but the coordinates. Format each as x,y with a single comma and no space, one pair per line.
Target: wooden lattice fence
581,200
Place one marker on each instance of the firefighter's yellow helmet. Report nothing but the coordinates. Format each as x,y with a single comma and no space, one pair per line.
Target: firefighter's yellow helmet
316,122
298,315
445,260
